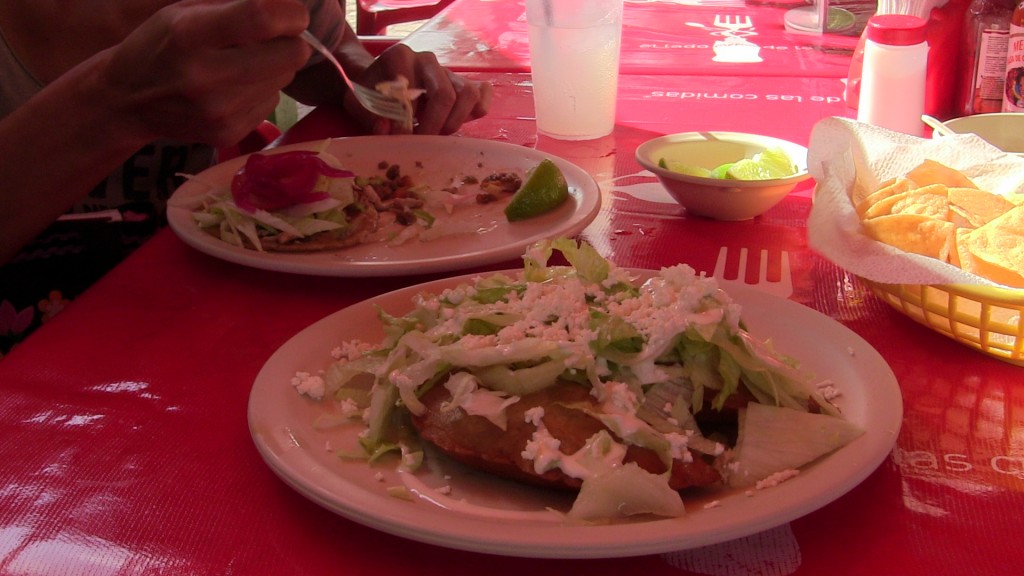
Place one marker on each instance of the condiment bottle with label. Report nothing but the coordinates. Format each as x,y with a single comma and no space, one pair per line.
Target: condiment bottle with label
892,90
1013,89
983,68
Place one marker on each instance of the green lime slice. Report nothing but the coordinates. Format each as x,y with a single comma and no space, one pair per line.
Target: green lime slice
746,169
776,162
769,164
544,190
685,169
721,171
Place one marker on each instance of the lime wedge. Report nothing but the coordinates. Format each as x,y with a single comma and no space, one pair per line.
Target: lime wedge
766,165
684,169
544,190
777,163
721,171
747,169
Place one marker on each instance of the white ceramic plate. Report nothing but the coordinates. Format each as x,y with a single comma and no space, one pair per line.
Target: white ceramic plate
431,160
486,514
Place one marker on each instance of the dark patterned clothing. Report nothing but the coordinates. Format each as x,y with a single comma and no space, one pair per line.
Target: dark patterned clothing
113,220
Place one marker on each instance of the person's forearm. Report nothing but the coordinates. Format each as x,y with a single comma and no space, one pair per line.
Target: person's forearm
55,149
352,54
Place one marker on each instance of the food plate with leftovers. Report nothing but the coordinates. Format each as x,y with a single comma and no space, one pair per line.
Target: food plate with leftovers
469,235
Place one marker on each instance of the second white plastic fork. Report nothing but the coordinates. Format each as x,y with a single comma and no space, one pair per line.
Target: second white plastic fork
380,104
783,287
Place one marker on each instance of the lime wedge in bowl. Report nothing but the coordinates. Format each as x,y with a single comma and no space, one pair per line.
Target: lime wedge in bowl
685,169
770,164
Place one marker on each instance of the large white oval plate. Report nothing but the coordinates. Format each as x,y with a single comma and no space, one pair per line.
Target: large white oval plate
430,160
459,508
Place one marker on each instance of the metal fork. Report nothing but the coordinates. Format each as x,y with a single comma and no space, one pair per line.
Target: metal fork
374,101
733,23
783,287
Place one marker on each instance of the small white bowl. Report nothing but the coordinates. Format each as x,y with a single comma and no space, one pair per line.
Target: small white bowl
1003,130
720,199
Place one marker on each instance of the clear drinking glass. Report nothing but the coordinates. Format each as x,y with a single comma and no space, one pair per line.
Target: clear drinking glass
574,56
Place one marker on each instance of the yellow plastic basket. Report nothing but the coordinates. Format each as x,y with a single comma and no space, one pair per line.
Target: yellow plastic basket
982,317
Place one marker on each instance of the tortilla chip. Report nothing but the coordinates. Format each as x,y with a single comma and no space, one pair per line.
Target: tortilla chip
936,211
960,256
996,250
978,266
978,207
913,233
932,172
929,201
889,188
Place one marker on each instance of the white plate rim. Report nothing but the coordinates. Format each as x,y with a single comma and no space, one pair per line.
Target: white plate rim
877,407
451,254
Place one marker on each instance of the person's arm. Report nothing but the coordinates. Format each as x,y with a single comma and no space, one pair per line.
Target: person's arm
198,71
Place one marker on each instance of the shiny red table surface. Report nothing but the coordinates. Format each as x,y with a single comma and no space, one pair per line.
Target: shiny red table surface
126,448
658,37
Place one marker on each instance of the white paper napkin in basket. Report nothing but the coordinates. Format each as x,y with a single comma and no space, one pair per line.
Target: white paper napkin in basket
849,160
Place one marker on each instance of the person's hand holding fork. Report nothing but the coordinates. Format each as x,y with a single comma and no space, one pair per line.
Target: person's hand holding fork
449,99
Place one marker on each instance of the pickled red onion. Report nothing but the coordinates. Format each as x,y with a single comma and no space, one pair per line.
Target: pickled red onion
276,181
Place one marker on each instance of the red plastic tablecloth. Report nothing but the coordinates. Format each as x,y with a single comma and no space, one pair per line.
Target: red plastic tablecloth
126,451
658,37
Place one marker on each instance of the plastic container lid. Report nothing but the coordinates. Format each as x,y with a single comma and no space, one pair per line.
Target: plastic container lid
897,29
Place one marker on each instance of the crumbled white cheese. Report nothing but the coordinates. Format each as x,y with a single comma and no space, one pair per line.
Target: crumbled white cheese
543,449
309,384
351,349
776,479
349,408
828,390
678,447
534,416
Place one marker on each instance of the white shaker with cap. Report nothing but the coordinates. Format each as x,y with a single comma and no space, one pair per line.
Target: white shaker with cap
892,93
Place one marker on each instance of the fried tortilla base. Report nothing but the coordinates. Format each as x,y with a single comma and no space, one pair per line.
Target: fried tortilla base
477,442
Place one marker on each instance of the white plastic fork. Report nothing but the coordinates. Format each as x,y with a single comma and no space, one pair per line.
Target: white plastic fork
376,102
783,287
